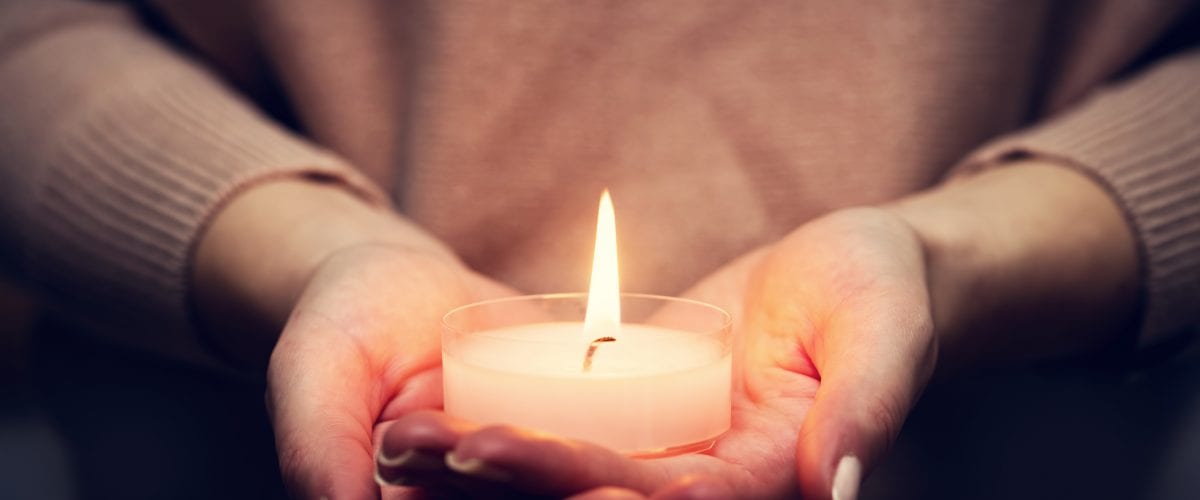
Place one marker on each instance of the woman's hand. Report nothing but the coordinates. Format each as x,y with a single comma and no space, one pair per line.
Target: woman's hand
840,325
358,295
362,345
835,342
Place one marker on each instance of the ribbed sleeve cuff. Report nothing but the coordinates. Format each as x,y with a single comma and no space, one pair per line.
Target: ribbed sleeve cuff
143,149
1141,141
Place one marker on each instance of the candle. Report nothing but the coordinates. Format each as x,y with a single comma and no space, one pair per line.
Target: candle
642,374
654,391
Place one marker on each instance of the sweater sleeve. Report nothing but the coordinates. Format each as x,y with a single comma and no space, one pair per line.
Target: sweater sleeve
116,151
1140,139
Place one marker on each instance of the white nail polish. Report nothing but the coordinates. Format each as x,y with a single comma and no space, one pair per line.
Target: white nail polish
475,467
397,481
846,478
397,460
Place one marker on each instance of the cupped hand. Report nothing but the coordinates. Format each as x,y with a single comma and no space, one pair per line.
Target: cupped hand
361,345
835,342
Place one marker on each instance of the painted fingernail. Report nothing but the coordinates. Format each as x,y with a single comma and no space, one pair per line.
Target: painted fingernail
396,461
846,478
399,480
476,468
398,470
411,459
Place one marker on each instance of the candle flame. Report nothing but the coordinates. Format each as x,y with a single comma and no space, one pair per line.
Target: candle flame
603,317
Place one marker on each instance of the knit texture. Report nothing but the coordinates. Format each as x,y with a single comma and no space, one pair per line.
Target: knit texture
1141,139
128,169
718,127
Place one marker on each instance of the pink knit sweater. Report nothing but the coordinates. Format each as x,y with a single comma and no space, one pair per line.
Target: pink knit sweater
718,126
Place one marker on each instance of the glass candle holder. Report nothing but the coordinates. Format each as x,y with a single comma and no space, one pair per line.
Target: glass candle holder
659,385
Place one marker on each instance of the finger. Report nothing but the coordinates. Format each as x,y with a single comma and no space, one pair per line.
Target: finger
414,453
872,372
547,465
694,487
415,437
414,447
347,349
608,493
422,391
686,488
321,386
389,492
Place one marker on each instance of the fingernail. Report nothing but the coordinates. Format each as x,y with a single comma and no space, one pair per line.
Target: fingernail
400,480
476,467
411,458
846,478
400,467
382,461
397,460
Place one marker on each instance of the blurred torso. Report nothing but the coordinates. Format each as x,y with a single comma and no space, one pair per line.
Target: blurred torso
718,126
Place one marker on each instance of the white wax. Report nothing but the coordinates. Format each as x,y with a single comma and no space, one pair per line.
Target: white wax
652,389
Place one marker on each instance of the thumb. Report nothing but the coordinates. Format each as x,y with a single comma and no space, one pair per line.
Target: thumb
321,414
872,372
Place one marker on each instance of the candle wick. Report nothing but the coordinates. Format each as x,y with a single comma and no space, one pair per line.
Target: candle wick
591,351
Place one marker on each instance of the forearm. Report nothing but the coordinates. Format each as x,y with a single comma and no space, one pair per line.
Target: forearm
256,256
1027,261
117,151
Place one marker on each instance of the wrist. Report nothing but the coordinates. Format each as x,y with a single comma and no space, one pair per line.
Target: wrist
957,261
1026,261
257,254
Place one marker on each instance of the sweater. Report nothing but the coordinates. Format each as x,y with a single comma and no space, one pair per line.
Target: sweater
718,126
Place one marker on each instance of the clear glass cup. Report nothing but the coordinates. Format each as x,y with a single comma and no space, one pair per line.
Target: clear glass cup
659,385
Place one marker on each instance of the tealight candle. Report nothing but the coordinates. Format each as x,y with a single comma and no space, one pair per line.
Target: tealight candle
642,374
